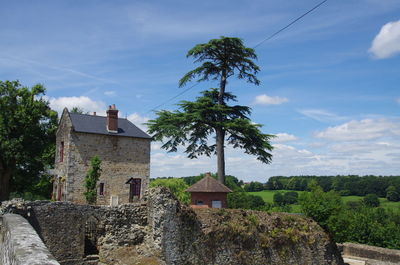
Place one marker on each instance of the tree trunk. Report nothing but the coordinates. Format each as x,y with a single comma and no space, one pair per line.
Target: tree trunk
5,177
220,133
220,154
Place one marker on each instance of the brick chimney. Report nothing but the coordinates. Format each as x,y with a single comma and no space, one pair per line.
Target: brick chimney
112,119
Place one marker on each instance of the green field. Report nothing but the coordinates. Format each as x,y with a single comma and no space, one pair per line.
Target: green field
268,195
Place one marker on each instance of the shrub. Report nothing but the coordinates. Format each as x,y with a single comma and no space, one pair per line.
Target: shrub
371,200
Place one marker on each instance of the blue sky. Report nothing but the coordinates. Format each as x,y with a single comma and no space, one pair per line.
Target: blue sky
329,84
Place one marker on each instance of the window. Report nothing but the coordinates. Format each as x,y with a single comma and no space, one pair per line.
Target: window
62,152
101,191
199,203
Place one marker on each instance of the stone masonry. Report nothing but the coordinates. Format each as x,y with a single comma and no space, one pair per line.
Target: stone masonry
160,230
122,158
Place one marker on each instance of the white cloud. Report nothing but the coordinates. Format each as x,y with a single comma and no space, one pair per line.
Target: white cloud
83,102
369,146
284,137
362,130
138,120
264,99
387,42
321,115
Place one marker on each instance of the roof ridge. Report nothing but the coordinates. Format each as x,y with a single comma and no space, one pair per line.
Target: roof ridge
208,184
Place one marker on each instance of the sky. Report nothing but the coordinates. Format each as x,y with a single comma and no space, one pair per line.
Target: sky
330,83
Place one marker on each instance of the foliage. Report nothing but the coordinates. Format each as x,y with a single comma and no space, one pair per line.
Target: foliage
91,179
290,197
392,194
199,120
278,199
176,185
254,186
243,200
78,110
320,205
365,225
209,114
354,222
286,198
371,200
345,185
27,139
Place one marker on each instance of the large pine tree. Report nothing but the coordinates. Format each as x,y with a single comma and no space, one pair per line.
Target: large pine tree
209,114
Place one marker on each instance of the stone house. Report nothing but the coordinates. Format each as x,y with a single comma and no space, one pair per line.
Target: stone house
123,148
208,193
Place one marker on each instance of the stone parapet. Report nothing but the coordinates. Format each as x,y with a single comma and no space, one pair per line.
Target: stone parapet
370,254
21,245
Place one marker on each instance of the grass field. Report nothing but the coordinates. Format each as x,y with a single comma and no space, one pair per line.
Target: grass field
268,195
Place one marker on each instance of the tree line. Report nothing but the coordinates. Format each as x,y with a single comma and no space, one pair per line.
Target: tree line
382,186
360,222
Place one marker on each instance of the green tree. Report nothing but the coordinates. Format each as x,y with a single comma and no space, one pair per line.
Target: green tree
27,137
91,179
278,199
392,194
320,205
198,120
290,197
78,110
243,200
177,187
371,200
221,59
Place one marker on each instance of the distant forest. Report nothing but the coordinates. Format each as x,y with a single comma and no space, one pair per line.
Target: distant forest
383,186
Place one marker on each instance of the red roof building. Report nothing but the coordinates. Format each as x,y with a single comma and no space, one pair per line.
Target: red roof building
208,193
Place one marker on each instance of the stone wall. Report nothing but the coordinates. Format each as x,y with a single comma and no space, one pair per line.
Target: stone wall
162,231
122,158
20,244
236,237
66,228
371,254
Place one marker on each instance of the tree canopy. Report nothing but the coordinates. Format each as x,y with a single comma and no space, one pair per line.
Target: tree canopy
222,58
27,136
196,121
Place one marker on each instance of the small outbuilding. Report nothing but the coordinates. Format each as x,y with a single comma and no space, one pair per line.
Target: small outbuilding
208,193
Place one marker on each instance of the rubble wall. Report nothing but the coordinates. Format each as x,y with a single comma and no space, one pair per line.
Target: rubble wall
162,231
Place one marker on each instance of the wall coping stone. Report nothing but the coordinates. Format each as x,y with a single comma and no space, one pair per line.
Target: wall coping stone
370,252
21,244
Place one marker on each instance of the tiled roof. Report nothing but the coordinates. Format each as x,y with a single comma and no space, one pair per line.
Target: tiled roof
208,184
97,124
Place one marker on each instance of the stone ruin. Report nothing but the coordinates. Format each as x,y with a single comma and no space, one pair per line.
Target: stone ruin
162,231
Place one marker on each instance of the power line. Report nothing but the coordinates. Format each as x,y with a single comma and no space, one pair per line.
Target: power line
291,23
263,41
181,93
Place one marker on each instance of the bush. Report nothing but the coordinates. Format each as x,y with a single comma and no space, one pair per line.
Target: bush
290,197
278,199
320,205
371,200
177,187
392,194
242,200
